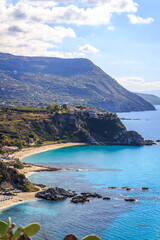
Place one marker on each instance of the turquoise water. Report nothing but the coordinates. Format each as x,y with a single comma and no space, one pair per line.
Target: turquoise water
99,168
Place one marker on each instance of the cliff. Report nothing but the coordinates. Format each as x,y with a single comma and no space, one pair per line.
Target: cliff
11,178
25,128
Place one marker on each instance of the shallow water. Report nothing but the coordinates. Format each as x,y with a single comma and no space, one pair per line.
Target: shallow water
106,166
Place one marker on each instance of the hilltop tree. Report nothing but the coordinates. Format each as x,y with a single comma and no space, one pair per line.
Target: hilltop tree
54,107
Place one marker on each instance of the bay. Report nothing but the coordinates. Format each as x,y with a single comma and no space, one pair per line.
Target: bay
100,167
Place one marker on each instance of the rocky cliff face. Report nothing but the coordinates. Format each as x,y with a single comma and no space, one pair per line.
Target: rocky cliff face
66,127
11,178
107,129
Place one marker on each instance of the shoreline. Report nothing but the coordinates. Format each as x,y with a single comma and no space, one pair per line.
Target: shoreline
27,171
26,152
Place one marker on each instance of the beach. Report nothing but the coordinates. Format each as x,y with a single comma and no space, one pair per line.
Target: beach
32,150
30,169
20,198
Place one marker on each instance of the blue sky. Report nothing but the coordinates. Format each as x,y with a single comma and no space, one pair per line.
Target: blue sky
120,36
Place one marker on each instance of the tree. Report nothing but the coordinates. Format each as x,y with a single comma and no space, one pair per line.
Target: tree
81,107
64,107
54,107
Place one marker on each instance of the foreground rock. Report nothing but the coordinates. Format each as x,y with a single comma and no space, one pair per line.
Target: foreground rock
55,194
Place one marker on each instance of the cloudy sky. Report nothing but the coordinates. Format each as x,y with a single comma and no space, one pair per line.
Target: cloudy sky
120,36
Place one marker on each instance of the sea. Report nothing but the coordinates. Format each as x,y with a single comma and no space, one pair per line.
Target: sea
96,169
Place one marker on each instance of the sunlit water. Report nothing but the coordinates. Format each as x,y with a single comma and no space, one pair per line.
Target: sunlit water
99,168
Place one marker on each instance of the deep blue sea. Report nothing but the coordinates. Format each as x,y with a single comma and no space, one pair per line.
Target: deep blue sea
100,167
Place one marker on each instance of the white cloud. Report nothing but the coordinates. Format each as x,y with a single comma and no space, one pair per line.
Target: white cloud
139,20
98,14
130,80
26,25
111,28
88,49
138,82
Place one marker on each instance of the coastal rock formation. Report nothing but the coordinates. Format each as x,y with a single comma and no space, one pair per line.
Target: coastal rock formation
96,129
79,199
11,178
130,200
145,188
84,197
89,195
55,194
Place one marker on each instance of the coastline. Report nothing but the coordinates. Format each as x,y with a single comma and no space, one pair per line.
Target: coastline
27,171
26,152
20,198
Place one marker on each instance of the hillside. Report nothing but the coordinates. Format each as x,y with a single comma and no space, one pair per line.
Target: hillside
150,98
74,81
12,178
23,128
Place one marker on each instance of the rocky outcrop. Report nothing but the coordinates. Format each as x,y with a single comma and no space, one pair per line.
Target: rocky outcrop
11,178
145,188
128,138
130,200
149,142
84,197
55,194
79,199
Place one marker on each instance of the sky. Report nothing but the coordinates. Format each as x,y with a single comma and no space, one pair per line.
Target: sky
120,36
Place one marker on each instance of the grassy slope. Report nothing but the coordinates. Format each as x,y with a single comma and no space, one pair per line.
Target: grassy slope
74,81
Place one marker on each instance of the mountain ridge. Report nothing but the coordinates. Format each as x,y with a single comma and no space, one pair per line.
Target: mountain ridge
72,81
153,99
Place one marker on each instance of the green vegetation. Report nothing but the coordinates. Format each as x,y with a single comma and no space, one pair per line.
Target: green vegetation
12,178
54,124
81,107
7,232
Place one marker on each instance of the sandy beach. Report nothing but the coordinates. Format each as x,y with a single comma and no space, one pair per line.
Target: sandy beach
20,198
30,151
28,170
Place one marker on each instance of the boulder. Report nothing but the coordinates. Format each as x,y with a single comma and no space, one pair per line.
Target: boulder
130,199
55,194
129,189
149,142
89,195
145,188
79,199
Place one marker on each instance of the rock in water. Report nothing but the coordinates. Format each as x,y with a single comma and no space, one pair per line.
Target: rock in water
55,194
